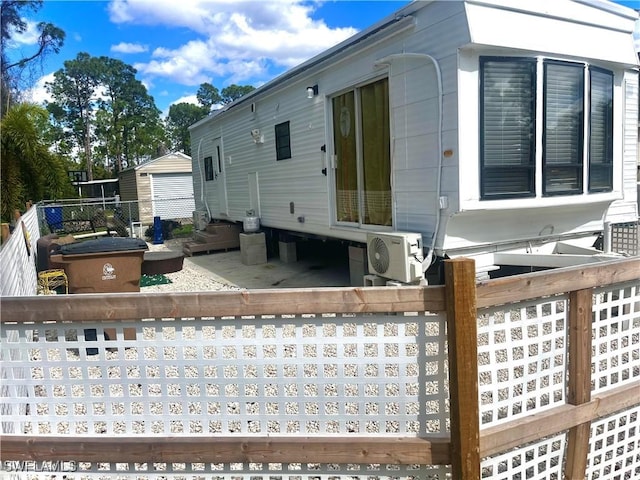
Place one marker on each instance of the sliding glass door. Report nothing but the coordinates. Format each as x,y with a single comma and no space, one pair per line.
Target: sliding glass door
362,153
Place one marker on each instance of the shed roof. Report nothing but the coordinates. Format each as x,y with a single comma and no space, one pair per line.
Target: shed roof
154,160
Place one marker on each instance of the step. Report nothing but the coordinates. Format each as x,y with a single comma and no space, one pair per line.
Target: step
189,248
217,236
223,228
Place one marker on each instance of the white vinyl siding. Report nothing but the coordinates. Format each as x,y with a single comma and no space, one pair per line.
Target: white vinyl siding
626,209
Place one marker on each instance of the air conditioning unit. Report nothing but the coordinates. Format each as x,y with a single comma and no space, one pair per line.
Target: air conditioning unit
200,219
395,255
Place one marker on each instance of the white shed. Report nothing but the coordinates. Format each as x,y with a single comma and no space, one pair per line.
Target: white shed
160,187
478,126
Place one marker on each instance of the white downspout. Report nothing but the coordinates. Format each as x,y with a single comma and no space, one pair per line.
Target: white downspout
426,263
201,166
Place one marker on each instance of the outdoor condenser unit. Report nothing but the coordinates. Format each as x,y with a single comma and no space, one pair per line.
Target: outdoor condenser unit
395,255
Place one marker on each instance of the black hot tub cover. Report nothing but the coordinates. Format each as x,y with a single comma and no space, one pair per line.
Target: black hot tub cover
106,244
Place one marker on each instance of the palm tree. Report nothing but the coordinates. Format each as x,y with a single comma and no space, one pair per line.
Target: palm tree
29,171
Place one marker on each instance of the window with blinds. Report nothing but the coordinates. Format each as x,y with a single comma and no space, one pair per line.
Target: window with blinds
601,131
508,161
507,134
562,139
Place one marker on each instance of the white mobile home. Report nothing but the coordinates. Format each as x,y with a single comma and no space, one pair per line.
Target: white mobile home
480,126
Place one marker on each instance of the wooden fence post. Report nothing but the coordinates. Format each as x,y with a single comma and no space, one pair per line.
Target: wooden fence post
6,232
579,371
460,295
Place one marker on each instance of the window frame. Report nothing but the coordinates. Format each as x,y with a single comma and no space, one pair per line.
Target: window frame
541,168
283,140
361,200
208,169
578,165
609,147
531,168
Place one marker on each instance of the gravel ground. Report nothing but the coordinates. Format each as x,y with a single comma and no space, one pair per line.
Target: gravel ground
192,278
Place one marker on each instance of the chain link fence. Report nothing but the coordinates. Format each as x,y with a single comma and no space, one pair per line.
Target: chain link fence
111,216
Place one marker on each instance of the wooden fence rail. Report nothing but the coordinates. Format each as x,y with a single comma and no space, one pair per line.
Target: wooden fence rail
461,299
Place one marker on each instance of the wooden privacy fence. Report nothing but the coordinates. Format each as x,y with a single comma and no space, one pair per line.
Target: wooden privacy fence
533,376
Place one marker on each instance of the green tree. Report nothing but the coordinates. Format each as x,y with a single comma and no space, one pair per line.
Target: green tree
129,128
74,90
208,96
234,92
59,137
29,170
112,118
180,117
50,40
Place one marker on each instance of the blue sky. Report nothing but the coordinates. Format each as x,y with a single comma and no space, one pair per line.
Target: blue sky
178,44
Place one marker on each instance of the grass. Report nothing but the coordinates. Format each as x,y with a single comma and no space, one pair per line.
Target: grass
183,231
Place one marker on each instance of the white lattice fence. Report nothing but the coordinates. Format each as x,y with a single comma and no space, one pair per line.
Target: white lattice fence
522,356
522,359
293,375
614,448
17,278
546,388
17,257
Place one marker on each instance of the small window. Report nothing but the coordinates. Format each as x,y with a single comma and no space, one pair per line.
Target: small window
208,168
219,157
283,141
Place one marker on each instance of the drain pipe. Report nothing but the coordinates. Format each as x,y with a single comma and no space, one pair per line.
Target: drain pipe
606,238
202,195
426,263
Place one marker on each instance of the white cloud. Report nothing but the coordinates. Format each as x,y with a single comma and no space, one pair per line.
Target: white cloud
238,39
124,47
28,37
184,65
38,93
186,99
